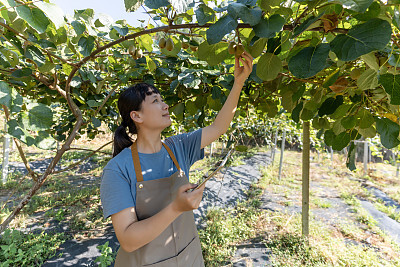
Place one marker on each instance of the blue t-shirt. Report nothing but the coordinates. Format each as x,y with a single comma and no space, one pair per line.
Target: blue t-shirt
118,182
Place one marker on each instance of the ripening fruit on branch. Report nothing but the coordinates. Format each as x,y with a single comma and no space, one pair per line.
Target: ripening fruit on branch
185,45
132,49
169,44
162,43
193,48
102,67
239,49
96,66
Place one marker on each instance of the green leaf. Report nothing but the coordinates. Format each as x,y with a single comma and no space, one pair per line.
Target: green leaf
368,132
45,141
331,78
356,5
330,105
178,109
35,54
307,23
268,66
213,54
24,72
39,117
368,80
258,47
349,122
181,6
362,39
219,29
309,61
329,137
250,16
366,119
371,61
93,103
351,158
341,141
53,12
34,17
96,122
391,84
389,132
296,112
78,27
154,4
86,45
5,94
132,5
267,28
204,14
121,30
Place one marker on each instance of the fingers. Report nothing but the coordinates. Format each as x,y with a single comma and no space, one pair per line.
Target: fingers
186,187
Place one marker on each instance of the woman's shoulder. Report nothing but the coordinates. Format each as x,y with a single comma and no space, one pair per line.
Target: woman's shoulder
119,162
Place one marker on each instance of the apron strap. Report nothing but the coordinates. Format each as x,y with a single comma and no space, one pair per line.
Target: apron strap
136,161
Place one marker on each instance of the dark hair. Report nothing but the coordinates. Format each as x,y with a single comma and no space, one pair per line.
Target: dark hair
129,100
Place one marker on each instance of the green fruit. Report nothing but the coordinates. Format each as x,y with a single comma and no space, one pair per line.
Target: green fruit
239,49
132,49
355,74
97,66
102,67
162,43
193,48
139,53
231,48
169,45
185,45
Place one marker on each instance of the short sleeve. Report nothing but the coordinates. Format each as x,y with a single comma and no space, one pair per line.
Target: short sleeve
115,192
191,143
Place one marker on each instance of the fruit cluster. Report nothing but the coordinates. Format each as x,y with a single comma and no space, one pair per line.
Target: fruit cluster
135,53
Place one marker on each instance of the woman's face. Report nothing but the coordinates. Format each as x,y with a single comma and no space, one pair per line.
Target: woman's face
153,115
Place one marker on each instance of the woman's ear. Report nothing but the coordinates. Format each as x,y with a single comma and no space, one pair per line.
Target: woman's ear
135,116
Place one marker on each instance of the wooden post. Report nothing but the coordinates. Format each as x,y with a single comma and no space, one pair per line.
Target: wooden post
6,152
366,145
282,149
397,165
306,179
274,149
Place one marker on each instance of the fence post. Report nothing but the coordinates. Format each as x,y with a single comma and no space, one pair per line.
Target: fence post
282,149
305,179
366,146
275,143
6,152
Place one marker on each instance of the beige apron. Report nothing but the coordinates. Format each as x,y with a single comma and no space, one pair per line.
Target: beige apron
179,244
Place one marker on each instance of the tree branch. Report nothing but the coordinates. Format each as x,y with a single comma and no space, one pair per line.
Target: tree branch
33,174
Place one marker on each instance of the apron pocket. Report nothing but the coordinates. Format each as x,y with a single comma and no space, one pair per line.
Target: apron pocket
191,255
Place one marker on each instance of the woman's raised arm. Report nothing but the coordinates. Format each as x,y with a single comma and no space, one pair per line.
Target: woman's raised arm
225,115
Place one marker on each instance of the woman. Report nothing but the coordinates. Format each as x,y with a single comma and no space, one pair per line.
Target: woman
149,200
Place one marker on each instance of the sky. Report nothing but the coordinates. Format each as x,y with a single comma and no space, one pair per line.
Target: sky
115,9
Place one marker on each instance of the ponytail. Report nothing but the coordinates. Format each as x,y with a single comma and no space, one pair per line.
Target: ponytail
121,140
130,100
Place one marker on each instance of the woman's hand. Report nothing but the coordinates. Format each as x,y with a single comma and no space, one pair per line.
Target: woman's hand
242,72
188,200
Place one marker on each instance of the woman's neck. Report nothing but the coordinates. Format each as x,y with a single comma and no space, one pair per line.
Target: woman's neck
149,142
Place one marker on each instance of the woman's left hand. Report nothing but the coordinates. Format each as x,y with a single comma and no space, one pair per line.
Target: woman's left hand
242,72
